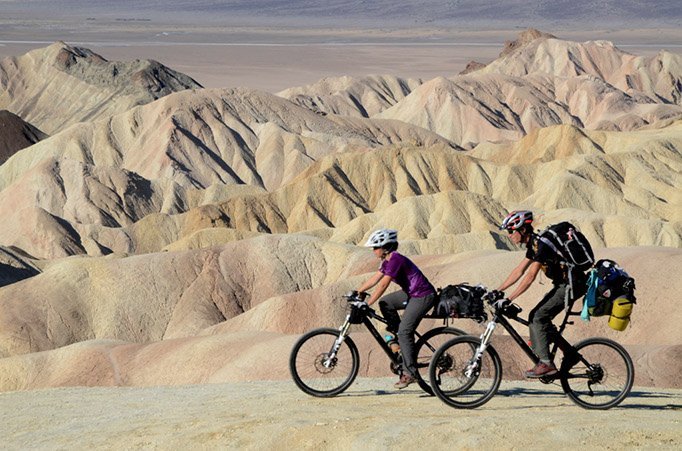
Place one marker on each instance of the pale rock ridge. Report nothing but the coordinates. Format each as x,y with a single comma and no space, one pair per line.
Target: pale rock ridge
246,347
201,138
331,192
525,37
539,81
66,195
190,142
561,167
78,299
658,77
60,85
634,174
469,109
349,96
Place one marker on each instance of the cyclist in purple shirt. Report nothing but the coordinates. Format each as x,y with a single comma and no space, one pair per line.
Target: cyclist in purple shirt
416,297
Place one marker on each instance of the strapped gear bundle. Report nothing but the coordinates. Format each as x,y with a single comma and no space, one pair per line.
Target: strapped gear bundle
460,301
610,291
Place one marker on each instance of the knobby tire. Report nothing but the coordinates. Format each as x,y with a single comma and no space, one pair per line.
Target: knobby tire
307,363
425,348
451,385
602,379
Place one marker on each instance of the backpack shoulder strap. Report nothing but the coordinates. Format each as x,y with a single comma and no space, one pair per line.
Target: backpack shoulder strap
551,245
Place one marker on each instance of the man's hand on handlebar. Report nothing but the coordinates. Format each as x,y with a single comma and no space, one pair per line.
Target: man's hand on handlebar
494,295
501,304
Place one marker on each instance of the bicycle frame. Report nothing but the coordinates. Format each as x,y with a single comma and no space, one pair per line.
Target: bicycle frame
367,317
558,341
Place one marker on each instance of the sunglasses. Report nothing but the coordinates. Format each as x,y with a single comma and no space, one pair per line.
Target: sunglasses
510,231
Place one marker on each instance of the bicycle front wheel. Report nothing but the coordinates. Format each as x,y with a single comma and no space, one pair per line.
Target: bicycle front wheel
462,378
315,372
426,346
599,376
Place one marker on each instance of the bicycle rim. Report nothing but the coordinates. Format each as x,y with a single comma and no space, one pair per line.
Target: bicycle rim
603,377
313,371
426,346
466,382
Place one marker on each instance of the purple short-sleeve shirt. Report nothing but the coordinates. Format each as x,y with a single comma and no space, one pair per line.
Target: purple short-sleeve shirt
407,276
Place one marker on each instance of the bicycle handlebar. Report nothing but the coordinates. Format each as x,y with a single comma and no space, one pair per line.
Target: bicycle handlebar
508,309
355,296
493,296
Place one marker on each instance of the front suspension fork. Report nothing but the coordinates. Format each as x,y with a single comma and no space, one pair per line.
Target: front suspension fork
485,339
343,333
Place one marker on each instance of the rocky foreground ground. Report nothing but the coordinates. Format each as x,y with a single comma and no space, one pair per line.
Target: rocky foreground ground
370,415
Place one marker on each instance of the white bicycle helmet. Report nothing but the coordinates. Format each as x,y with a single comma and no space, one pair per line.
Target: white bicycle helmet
516,219
382,237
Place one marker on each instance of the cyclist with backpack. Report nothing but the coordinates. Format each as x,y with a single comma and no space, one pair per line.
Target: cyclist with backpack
548,251
417,297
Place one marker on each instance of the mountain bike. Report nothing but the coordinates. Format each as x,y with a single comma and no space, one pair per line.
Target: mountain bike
596,373
324,362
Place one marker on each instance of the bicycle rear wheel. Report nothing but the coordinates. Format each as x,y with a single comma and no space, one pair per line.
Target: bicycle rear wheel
313,371
601,378
426,346
468,380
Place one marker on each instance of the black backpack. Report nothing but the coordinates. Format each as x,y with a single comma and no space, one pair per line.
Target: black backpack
569,244
460,301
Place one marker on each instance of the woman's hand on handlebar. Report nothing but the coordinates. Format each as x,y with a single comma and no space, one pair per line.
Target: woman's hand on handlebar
357,296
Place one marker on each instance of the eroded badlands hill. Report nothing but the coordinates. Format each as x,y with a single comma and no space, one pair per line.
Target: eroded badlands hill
538,81
60,85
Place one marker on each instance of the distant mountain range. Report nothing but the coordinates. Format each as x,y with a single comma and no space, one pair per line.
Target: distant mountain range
577,13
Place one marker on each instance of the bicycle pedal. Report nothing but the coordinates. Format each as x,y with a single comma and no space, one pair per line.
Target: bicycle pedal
548,379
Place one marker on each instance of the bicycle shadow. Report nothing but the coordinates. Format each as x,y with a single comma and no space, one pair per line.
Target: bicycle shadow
651,395
519,391
384,392
532,392
641,395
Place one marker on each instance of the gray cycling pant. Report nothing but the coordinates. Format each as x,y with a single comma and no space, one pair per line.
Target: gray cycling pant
415,309
540,324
